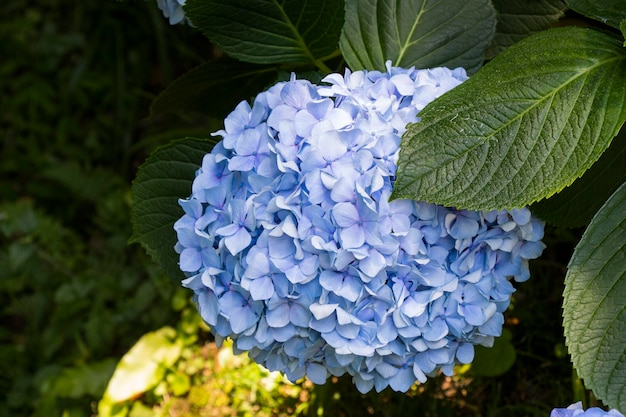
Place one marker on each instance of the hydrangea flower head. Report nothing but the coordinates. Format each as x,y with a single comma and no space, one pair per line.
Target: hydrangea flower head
576,410
172,10
294,251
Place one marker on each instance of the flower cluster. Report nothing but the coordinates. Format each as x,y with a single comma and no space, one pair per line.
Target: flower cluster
295,252
172,10
576,410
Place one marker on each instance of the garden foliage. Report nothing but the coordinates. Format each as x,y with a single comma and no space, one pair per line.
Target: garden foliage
531,125
73,295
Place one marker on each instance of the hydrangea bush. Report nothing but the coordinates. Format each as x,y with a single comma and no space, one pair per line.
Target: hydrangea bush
294,250
300,238
576,410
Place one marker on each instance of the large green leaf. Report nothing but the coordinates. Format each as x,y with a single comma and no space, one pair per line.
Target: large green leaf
524,127
423,33
577,204
214,88
611,12
271,31
165,177
594,306
518,19
144,365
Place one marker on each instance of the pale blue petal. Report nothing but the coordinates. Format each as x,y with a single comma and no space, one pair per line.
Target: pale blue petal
299,315
262,288
241,163
461,227
474,315
437,330
403,380
321,311
317,373
493,326
241,319
465,353
279,316
238,241
332,281
363,385
323,325
208,306
352,237
345,214
190,260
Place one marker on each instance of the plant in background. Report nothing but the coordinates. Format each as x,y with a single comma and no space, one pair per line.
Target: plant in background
520,131
73,295
170,372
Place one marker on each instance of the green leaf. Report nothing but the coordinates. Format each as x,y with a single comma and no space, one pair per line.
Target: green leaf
611,12
165,177
622,27
518,19
214,88
271,31
594,306
524,127
423,33
496,360
144,365
577,204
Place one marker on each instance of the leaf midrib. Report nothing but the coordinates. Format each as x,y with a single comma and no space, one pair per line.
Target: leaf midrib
299,40
408,42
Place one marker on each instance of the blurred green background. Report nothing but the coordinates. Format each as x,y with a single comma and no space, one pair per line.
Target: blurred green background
76,83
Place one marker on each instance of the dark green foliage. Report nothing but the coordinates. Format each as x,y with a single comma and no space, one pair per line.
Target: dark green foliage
594,300
161,181
76,80
576,205
518,19
610,12
423,33
270,31
214,88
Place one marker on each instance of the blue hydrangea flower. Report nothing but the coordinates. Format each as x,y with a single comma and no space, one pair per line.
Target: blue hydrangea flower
294,251
576,410
172,10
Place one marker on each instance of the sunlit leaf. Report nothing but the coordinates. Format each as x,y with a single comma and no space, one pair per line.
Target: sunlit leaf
577,204
271,31
214,88
594,307
611,12
524,127
518,19
423,33
165,177
143,366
